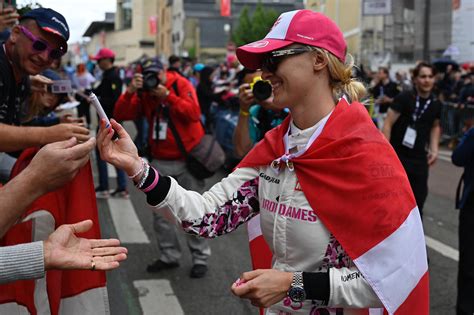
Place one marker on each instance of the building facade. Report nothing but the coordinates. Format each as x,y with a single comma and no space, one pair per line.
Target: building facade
396,37
132,36
199,30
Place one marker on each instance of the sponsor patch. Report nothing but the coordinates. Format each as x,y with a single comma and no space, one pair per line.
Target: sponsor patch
259,44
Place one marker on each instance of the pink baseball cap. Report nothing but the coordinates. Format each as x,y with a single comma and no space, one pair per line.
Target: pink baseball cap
104,53
299,26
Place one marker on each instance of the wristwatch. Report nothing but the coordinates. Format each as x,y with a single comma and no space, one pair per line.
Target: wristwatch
296,292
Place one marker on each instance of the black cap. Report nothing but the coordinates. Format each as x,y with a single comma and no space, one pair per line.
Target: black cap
152,65
49,21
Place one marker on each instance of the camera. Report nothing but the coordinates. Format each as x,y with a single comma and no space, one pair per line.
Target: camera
150,80
261,89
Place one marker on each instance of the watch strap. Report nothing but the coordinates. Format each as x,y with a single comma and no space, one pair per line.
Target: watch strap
297,279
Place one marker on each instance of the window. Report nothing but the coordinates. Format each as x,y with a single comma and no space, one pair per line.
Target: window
125,9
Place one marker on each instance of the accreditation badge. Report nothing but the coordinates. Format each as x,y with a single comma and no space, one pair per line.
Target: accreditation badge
409,138
162,130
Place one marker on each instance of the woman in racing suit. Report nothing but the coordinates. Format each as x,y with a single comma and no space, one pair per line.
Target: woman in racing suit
327,188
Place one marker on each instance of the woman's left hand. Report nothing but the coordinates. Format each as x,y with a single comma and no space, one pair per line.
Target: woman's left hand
263,287
121,153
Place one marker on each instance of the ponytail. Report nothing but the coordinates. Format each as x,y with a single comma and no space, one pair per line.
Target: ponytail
340,77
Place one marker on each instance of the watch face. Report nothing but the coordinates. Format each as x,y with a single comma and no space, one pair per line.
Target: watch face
297,294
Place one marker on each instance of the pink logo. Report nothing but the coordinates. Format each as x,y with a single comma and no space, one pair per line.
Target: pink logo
259,44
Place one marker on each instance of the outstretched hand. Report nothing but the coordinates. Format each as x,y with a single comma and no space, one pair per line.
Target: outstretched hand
57,163
64,250
122,153
263,287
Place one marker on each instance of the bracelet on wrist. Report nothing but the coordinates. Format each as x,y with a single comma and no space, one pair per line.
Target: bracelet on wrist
142,167
244,113
144,176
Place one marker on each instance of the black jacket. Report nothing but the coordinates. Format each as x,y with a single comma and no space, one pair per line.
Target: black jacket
109,90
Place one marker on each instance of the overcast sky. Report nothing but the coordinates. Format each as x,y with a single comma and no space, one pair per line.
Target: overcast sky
78,13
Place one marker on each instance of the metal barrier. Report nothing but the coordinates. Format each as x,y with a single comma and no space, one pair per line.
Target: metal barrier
455,119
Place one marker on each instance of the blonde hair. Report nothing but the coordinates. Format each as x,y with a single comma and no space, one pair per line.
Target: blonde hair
36,107
340,77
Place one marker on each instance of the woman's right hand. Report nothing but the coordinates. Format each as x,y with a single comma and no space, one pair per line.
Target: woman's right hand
121,153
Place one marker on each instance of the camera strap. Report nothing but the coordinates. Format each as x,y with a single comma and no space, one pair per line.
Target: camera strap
166,114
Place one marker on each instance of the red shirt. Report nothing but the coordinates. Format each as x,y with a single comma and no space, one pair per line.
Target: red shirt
184,111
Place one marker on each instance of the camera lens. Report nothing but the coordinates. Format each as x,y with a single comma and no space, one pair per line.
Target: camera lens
150,81
262,90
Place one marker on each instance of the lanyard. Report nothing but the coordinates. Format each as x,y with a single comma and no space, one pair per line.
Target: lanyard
287,157
417,106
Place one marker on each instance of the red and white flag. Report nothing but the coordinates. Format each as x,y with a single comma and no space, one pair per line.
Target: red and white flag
60,291
360,191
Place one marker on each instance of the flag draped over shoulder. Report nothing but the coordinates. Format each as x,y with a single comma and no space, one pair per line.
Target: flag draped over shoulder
60,291
356,185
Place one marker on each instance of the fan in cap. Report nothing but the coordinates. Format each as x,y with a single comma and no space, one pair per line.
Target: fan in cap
104,53
50,21
38,41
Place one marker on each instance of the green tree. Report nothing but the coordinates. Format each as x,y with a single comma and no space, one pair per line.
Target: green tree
26,7
243,32
254,28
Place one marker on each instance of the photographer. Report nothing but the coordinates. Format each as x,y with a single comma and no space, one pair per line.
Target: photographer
162,96
257,112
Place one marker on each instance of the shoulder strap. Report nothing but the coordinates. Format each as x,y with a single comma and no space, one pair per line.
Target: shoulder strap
175,133
175,87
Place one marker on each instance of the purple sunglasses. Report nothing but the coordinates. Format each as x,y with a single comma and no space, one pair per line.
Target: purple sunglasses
40,45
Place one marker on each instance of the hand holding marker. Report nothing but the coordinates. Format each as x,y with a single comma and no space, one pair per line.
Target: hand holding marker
100,110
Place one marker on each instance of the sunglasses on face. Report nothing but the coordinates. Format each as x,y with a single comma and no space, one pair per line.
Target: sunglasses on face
40,45
275,57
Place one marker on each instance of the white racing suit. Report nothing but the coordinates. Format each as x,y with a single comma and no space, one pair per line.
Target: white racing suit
298,239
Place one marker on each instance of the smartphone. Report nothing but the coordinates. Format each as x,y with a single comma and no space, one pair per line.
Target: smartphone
100,111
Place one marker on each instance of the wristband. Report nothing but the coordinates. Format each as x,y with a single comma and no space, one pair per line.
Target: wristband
153,184
244,113
139,171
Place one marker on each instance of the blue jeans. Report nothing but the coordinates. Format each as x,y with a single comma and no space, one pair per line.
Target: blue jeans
104,175
141,138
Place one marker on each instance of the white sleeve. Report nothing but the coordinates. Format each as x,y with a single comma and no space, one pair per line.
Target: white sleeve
348,288
220,210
